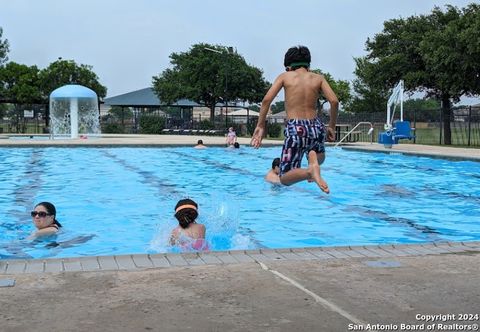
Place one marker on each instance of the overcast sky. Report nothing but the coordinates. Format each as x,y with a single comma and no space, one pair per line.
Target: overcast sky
128,42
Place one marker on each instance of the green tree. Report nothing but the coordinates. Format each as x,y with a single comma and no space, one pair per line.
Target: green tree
208,77
20,84
63,72
175,112
425,110
4,48
3,110
340,87
421,104
436,53
278,107
119,113
369,95
151,124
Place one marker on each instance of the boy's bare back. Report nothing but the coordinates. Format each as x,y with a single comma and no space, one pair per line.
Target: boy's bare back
302,89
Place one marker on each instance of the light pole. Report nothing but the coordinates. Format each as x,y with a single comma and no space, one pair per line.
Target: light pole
228,50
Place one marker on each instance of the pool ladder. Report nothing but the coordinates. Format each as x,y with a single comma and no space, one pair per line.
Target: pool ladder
370,131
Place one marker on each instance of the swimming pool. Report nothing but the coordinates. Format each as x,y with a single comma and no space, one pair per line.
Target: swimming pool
120,200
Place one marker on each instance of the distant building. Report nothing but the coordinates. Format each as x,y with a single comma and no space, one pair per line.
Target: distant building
146,100
462,114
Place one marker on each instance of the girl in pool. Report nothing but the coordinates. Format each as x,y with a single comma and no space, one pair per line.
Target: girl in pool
189,235
43,216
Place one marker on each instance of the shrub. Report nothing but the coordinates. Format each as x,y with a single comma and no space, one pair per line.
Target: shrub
274,130
112,128
206,125
151,124
251,127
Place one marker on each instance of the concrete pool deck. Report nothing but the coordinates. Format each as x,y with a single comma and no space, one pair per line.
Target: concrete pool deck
314,289
305,289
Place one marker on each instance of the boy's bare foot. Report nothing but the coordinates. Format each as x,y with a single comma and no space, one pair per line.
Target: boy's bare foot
314,172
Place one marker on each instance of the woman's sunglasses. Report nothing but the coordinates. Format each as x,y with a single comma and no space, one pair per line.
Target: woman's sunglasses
41,214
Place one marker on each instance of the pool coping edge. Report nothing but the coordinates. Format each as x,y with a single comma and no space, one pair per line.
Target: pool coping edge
137,262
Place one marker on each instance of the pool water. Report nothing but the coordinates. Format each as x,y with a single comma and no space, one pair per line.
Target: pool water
121,200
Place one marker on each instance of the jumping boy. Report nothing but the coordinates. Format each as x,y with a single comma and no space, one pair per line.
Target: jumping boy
304,131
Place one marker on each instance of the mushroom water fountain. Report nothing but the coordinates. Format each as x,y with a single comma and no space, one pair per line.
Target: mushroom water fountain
74,112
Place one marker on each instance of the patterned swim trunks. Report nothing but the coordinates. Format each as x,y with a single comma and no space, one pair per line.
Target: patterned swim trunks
301,136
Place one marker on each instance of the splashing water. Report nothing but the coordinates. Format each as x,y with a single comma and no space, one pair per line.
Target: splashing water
73,111
221,221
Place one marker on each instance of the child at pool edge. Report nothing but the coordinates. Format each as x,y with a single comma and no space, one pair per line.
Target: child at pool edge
231,138
189,235
44,217
304,131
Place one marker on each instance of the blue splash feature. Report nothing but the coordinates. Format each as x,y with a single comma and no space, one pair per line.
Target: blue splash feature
73,111
120,200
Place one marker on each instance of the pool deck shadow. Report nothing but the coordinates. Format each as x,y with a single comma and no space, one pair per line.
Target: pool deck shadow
306,289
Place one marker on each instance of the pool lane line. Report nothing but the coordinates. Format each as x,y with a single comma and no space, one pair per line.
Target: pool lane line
385,217
215,163
407,223
244,171
149,178
325,303
24,195
153,180
431,234
423,169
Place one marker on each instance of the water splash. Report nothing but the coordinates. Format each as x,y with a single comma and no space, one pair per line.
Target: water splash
74,111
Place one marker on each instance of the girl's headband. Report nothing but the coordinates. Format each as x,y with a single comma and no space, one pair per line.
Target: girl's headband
186,206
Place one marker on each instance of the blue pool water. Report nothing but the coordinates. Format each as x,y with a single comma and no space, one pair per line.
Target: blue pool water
121,200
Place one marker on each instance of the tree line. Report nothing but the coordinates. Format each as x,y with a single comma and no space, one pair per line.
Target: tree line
435,53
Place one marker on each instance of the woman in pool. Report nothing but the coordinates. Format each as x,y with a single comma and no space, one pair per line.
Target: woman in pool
189,235
43,216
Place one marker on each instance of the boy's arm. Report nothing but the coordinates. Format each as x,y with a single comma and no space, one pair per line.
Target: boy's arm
333,101
266,102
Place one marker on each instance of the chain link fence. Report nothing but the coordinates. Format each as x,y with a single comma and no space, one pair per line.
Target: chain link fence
428,124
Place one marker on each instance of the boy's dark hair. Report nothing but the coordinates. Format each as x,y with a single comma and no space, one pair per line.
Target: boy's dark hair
275,163
297,57
199,141
187,215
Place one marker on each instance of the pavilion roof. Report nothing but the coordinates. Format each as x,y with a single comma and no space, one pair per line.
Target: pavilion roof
144,98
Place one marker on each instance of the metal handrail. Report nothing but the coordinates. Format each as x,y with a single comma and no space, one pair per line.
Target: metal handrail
348,134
